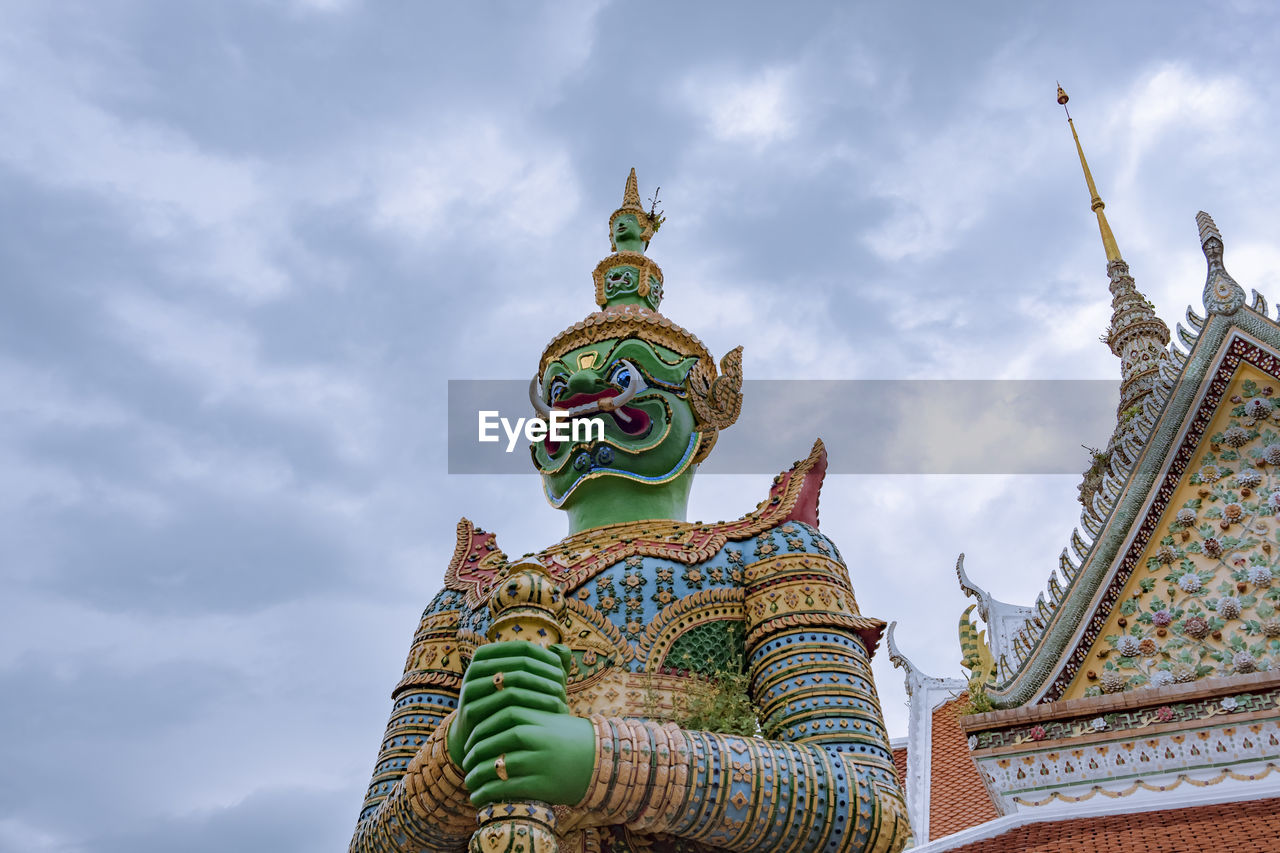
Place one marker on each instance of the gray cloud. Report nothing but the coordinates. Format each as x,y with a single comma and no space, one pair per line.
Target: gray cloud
246,244
278,820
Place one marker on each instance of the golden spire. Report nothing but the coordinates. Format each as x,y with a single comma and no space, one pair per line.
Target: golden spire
631,195
649,221
1095,201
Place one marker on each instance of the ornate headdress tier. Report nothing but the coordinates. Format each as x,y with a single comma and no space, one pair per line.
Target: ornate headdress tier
627,276
621,321
648,220
628,290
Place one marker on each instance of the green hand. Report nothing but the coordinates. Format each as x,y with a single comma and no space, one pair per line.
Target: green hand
531,676
548,757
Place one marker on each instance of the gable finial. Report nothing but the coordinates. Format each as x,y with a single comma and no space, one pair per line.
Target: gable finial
1095,201
1222,295
1136,335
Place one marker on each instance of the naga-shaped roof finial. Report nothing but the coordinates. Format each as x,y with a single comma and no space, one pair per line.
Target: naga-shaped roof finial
1222,295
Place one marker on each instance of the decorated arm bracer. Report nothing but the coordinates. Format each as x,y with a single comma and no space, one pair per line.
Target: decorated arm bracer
821,780
416,799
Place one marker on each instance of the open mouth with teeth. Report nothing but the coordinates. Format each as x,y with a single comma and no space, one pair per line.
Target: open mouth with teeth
628,419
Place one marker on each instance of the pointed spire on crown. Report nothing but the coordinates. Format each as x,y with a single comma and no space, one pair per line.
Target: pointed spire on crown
631,227
627,276
631,194
628,291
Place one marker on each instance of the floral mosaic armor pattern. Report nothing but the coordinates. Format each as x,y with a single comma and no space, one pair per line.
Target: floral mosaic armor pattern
655,608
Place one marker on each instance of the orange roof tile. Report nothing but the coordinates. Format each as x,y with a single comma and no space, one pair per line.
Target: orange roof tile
957,797
900,764
1251,825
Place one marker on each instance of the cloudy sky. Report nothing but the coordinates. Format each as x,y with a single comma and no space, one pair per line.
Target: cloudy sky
246,243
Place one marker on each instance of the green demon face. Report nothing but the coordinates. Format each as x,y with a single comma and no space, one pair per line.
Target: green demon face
628,233
628,415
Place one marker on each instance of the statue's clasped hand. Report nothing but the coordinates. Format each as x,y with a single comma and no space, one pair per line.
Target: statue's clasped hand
513,735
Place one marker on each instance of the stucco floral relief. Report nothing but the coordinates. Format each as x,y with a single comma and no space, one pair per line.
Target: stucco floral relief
1206,598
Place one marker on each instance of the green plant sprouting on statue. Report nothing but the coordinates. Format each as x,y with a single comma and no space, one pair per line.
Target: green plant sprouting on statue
723,704
656,216
1092,481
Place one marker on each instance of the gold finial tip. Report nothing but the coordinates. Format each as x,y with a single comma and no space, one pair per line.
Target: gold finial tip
631,194
1062,96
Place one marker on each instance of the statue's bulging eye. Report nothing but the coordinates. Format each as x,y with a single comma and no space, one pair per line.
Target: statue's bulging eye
556,389
619,375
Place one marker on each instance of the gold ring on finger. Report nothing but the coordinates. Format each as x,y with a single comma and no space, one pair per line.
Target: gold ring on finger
500,767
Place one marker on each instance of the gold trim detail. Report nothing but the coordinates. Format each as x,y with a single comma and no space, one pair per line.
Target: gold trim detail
642,262
1147,786
716,401
674,620
581,556
476,559
615,692
578,558
621,321
803,591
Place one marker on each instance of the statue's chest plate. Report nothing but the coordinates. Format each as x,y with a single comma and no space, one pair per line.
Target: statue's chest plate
646,614
790,505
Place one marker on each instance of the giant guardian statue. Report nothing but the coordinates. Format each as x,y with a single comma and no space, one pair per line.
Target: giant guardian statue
646,684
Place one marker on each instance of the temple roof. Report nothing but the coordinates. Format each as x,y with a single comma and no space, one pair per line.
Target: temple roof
957,797
943,789
1143,591
1185,830
1158,459
899,750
